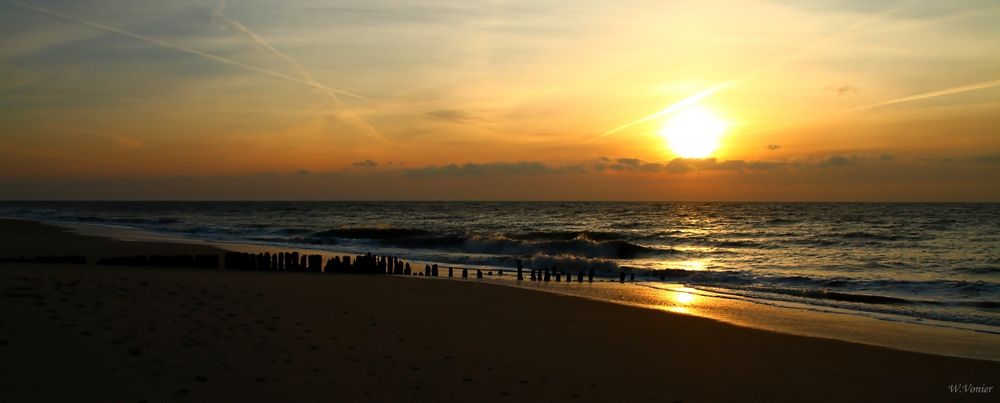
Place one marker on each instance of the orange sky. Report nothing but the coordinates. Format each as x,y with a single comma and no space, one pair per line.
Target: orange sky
821,100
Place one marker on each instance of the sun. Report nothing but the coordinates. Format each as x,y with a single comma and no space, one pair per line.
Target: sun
694,132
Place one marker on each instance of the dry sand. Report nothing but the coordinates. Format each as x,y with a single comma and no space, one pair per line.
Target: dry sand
96,333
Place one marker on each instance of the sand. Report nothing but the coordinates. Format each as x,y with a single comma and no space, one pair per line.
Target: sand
97,333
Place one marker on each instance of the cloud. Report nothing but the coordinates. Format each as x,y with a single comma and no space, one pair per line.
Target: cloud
684,165
365,164
450,115
988,159
838,161
493,168
841,89
635,164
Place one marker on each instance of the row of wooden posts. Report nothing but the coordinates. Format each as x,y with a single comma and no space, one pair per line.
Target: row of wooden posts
295,262
373,264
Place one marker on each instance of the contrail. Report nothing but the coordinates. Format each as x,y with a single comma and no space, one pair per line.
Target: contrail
181,48
674,107
932,94
843,33
911,98
260,41
125,141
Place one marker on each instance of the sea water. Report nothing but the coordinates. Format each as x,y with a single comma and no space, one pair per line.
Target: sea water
937,262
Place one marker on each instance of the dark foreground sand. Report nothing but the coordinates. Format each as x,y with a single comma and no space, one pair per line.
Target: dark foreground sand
95,333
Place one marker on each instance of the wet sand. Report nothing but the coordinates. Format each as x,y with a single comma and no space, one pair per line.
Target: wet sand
98,333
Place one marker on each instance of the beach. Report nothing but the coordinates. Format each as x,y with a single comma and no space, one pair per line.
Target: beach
72,332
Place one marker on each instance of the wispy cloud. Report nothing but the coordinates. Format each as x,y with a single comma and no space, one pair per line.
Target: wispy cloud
450,115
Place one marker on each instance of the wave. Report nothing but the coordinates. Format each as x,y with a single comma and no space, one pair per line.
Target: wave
120,220
979,270
567,235
578,246
836,296
875,291
371,233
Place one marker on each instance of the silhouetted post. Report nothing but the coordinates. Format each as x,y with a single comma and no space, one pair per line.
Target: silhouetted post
465,273
434,270
546,274
558,276
532,274
621,276
406,271
520,270
316,263
500,272
427,270
631,275
579,276
479,273
450,270
590,276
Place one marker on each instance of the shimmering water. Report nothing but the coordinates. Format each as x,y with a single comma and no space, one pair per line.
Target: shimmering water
930,261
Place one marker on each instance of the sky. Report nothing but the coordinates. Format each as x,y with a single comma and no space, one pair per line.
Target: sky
816,100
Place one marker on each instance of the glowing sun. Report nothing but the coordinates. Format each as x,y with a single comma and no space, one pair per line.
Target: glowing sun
693,132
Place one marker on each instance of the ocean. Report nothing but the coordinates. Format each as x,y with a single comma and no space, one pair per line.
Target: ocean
918,261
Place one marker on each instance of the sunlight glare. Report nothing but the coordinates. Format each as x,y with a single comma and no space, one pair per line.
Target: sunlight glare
694,132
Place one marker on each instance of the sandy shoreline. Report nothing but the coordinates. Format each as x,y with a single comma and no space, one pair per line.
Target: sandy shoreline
965,340
94,333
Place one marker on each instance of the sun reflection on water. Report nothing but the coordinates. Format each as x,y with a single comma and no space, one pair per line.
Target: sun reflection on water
682,299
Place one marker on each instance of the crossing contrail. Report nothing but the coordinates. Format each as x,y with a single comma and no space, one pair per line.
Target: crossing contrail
180,48
352,116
